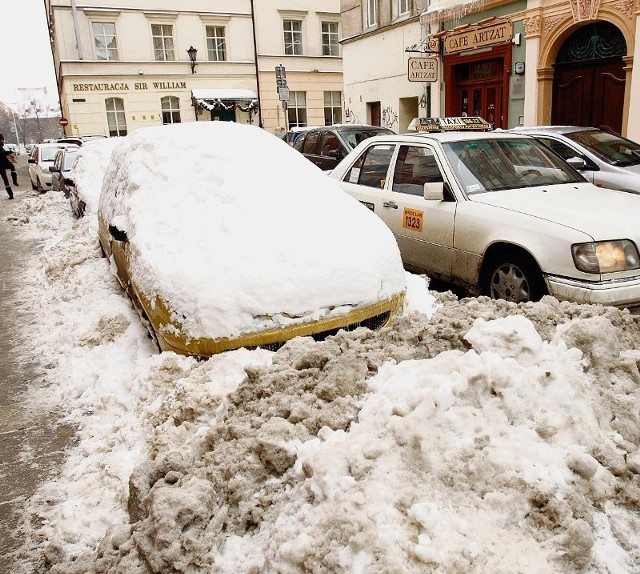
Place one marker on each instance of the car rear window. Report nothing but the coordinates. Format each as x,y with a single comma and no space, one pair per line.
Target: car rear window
354,137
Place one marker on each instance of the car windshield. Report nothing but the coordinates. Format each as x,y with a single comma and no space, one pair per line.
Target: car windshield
354,137
610,148
495,164
48,153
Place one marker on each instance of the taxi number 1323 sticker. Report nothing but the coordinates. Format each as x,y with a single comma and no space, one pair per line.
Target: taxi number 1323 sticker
413,219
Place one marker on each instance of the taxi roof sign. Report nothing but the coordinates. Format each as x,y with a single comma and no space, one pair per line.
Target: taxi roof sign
460,123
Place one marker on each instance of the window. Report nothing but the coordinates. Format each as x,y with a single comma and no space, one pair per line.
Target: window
170,110
162,42
329,143
403,6
297,109
330,46
371,167
216,44
332,108
104,36
371,16
415,166
116,120
292,37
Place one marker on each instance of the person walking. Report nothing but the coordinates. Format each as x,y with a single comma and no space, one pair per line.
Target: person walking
7,160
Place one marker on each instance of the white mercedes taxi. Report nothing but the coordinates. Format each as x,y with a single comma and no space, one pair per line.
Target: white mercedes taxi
498,213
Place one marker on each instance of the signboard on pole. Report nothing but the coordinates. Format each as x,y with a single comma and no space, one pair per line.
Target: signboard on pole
423,70
64,122
283,94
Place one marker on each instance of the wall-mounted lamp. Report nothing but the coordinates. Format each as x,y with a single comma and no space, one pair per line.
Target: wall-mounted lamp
193,52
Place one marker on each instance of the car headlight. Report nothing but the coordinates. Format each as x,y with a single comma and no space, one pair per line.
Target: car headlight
605,256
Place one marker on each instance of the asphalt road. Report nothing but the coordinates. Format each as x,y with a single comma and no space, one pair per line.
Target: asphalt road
31,442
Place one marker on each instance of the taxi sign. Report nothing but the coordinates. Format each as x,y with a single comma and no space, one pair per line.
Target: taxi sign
453,124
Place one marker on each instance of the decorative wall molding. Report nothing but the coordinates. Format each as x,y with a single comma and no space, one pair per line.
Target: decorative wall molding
625,7
549,24
532,26
584,9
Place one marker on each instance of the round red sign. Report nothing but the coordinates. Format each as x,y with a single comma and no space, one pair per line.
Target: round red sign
64,122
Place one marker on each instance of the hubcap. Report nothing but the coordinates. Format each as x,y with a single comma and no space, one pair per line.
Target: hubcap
510,283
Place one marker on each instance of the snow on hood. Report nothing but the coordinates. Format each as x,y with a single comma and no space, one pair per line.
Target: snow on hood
227,223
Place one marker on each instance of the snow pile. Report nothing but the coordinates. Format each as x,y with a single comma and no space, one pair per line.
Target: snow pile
479,436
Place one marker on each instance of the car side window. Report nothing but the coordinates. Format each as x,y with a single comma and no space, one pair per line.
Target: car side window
562,149
328,143
299,142
414,167
310,143
372,166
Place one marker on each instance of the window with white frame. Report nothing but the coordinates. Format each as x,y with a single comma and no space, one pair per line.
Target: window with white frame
162,35
170,110
116,119
403,7
332,108
330,46
292,37
372,16
297,109
216,44
104,37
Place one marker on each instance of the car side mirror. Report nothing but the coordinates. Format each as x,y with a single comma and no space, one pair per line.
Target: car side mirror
68,181
117,234
53,169
337,153
31,160
577,163
434,191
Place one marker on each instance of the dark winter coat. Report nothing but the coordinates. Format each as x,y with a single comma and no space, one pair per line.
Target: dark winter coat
4,159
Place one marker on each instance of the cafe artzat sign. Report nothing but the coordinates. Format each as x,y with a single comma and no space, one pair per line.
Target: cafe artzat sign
479,37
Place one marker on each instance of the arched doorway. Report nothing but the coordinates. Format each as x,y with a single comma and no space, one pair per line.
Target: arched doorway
589,78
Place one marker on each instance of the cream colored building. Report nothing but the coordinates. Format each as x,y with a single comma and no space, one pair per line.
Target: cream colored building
523,62
122,65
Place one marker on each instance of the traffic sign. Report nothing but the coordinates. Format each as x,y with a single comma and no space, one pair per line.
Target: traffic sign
64,122
283,94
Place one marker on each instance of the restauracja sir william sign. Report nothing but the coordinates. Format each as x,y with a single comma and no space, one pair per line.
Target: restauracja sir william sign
124,87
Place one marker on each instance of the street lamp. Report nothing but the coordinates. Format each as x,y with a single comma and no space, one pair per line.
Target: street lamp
193,52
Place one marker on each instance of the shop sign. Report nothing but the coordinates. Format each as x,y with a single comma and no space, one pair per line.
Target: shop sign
423,70
124,86
472,38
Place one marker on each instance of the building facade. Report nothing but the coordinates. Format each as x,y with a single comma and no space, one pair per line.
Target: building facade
523,62
122,65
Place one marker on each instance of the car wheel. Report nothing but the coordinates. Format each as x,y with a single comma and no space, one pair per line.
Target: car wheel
513,276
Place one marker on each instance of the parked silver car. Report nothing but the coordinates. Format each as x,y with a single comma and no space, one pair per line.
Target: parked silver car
603,158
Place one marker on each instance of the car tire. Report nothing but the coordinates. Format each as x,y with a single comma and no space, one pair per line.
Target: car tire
514,276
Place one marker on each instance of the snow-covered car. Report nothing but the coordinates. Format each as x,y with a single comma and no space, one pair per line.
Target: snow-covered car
226,237
603,158
40,160
499,214
87,173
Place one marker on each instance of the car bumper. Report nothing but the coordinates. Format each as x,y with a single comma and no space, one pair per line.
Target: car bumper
170,338
619,293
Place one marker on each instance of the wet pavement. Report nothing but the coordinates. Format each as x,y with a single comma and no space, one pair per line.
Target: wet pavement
32,443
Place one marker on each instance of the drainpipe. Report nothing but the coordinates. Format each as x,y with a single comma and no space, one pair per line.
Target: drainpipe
74,12
255,51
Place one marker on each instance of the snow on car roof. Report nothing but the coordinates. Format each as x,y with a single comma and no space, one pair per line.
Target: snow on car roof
234,228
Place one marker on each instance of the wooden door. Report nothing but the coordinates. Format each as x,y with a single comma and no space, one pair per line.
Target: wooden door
589,94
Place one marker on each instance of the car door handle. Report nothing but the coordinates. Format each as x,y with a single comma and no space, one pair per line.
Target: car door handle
391,204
